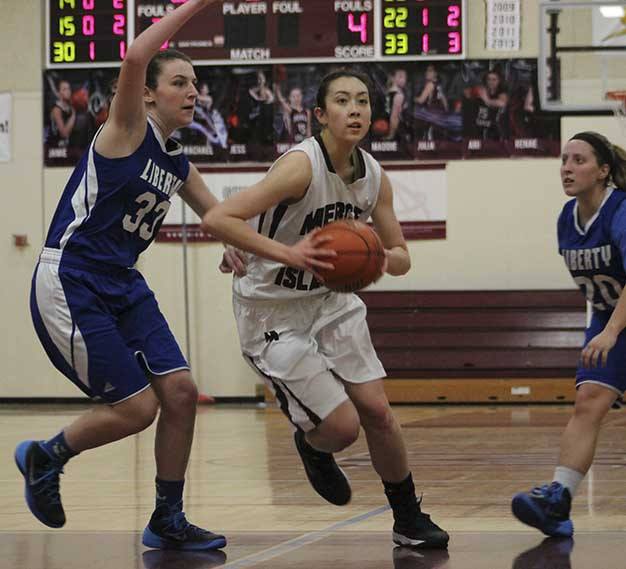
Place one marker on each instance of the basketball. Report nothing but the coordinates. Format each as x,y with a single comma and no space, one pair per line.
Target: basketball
360,255
380,127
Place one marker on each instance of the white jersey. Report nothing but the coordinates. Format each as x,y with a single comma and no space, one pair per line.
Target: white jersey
327,199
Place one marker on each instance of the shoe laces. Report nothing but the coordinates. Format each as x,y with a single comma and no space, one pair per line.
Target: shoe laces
552,493
47,484
175,522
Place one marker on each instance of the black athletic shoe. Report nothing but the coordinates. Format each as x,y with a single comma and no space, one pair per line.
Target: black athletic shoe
327,479
41,488
414,528
169,529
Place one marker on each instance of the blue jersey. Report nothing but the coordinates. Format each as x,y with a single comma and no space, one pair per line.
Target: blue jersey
112,208
595,254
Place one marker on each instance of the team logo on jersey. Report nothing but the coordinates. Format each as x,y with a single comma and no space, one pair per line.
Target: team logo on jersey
330,212
587,259
161,179
296,279
271,336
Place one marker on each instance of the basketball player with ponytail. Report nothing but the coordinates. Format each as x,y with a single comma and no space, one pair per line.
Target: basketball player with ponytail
95,315
312,346
592,241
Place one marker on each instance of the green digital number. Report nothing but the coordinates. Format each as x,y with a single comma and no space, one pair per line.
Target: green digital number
63,51
66,26
396,44
395,17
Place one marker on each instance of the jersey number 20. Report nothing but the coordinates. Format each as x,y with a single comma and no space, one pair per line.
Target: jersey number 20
599,285
147,202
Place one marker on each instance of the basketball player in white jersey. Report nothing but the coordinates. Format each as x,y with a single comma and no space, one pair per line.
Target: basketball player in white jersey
95,315
312,346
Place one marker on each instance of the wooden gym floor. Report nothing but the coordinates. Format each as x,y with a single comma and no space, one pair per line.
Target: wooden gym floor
245,479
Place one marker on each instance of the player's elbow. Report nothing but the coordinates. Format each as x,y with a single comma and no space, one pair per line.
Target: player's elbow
400,264
211,222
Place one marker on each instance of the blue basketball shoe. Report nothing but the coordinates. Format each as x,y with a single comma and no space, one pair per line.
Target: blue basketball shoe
546,508
41,477
169,529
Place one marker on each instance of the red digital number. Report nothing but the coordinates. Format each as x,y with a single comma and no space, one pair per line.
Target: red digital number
454,42
119,23
454,13
360,27
89,25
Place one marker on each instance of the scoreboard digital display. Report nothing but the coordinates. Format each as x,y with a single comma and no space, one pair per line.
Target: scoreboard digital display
85,32
268,31
420,28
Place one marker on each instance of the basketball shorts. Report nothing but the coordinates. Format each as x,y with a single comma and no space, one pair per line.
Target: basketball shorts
101,328
613,375
305,348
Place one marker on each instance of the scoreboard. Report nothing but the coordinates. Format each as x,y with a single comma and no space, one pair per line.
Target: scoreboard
84,33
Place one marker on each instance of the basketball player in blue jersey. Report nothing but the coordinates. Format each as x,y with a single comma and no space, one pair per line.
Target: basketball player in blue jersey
95,315
312,346
592,241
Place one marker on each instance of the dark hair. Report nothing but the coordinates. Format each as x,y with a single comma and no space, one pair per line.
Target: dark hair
330,77
156,64
606,153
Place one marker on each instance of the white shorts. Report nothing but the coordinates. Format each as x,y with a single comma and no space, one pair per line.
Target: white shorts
304,348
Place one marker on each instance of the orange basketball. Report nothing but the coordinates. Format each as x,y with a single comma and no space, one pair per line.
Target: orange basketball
360,255
380,127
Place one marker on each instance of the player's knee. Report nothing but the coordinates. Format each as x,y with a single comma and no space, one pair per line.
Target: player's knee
141,414
145,417
377,416
592,404
346,436
181,393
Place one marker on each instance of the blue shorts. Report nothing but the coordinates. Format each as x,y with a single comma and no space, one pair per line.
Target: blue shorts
613,375
101,329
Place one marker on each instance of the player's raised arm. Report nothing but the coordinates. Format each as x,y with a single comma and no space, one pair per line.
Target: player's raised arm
125,127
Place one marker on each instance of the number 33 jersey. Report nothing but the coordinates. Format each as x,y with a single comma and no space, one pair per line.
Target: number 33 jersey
595,254
112,208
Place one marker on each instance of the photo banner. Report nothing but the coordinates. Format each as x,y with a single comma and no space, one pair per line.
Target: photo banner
438,110
420,200
6,106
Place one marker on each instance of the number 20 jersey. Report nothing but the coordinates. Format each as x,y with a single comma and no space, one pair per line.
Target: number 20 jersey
594,254
112,208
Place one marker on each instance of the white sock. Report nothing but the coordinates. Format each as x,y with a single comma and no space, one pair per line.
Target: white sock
568,478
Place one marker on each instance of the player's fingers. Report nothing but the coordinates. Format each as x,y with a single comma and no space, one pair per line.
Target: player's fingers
317,240
318,263
323,253
604,358
585,357
594,357
237,264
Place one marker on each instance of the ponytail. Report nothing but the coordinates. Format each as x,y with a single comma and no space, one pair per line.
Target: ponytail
619,167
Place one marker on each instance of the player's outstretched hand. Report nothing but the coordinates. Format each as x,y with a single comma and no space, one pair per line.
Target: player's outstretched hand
596,352
233,261
309,253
